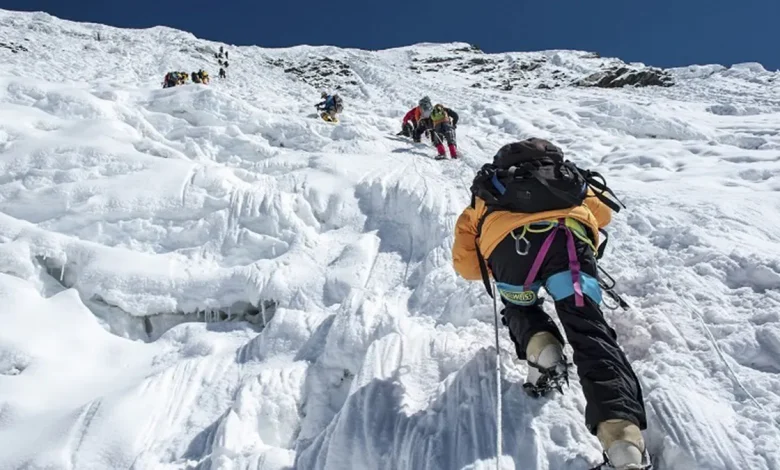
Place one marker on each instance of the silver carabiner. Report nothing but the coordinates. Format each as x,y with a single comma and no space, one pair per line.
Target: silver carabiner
524,251
608,293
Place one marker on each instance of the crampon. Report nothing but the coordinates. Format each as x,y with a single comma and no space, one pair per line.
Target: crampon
552,378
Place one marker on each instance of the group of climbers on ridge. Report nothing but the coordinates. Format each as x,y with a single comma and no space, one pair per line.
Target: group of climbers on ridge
437,120
173,79
223,65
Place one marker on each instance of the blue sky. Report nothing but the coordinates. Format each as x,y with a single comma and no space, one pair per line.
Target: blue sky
657,32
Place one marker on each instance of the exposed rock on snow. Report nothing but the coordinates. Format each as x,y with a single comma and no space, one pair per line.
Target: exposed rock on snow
617,77
319,73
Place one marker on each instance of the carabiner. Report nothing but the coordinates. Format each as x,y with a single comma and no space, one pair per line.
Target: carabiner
610,294
524,251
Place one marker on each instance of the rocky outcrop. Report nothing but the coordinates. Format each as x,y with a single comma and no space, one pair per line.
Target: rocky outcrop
322,73
15,48
617,77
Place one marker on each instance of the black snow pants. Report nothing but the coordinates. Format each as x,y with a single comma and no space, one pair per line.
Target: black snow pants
610,386
443,130
407,129
424,124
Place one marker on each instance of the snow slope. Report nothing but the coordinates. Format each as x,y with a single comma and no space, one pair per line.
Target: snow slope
212,277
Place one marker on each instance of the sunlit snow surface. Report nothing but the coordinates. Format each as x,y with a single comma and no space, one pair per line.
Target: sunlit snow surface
127,208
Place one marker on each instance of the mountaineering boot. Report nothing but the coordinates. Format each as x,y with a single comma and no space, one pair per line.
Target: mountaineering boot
453,151
547,366
624,447
440,150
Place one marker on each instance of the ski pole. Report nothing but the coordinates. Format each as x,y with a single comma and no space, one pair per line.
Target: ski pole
499,437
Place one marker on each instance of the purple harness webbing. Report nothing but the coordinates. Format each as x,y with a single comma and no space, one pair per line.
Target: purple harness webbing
574,263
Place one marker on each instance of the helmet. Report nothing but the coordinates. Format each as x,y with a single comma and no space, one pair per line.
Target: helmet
324,94
426,107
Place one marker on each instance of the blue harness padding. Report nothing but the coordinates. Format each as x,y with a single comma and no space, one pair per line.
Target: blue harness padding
559,285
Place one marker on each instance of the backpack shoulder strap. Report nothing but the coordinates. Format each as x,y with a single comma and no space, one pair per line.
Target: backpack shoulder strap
599,185
603,246
482,263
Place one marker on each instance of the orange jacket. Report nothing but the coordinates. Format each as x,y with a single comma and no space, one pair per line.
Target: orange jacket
594,214
413,115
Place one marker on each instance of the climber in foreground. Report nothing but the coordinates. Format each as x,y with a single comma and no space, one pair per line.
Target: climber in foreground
534,221
330,107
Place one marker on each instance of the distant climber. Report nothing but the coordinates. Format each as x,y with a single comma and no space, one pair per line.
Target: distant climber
225,64
195,77
411,124
171,79
226,55
444,121
204,77
535,220
222,73
330,107
440,122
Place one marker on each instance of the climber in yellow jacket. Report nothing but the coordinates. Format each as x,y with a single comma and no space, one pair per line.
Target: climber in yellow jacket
534,222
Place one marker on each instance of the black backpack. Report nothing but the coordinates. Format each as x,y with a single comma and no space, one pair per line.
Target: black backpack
532,176
337,103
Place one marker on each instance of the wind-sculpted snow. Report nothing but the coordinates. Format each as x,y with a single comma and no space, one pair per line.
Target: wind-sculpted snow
211,277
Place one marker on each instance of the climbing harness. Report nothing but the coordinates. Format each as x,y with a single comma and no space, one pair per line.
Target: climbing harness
574,263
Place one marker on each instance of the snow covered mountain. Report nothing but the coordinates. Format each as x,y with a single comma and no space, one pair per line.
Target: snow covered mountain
212,277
